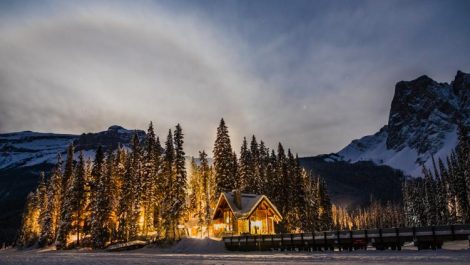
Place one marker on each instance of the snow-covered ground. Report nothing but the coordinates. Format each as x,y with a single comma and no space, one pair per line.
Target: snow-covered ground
212,252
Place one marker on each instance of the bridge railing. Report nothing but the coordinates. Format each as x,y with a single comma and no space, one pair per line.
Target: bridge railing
393,238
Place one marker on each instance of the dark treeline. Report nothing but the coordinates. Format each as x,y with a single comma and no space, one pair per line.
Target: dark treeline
376,215
442,196
143,192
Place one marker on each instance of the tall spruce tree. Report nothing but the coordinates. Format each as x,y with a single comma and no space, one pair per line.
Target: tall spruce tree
135,174
430,198
125,211
326,219
65,225
77,195
29,229
271,185
245,169
463,171
169,175
223,160
97,199
256,166
158,186
206,189
282,185
148,181
52,211
263,165
179,187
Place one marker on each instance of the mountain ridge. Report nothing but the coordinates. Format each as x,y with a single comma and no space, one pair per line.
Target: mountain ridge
422,124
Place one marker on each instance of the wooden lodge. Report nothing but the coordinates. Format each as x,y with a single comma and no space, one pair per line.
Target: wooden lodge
240,214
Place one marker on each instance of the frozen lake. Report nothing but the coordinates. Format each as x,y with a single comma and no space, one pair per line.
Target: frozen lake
369,257
209,252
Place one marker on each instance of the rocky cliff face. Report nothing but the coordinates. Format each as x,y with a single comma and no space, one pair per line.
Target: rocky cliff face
109,139
422,123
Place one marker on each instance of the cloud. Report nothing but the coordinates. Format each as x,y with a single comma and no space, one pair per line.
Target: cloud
313,78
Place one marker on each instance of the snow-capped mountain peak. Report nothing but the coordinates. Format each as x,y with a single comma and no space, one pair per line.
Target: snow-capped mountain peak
422,124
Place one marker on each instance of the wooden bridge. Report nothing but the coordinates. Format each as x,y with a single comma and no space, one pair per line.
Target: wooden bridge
431,237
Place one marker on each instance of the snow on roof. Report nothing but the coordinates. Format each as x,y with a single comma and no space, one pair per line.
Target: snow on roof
249,202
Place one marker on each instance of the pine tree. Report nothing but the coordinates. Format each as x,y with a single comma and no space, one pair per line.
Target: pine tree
135,174
256,166
116,187
50,220
326,218
42,200
29,230
270,187
148,182
463,157
223,160
77,195
245,169
158,186
263,165
181,175
448,193
298,192
194,194
442,214
311,220
282,185
65,225
169,175
457,172
97,213
125,211
206,189
292,205
430,198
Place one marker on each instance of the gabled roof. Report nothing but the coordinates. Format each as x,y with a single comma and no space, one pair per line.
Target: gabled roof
249,202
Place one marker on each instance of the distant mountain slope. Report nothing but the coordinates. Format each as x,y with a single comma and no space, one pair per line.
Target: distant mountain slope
355,184
422,123
25,149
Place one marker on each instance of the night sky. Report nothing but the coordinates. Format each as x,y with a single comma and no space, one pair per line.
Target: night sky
311,74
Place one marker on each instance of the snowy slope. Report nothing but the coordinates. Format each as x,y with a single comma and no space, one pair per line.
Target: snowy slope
374,148
422,124
31,148
23,149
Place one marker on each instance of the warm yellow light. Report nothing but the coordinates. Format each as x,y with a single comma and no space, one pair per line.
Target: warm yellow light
219,226
256,224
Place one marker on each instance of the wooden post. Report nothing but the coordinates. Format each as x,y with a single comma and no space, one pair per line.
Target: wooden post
452,229
381,239
351,238
292,240
397,232
338,239
367,238
282,241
